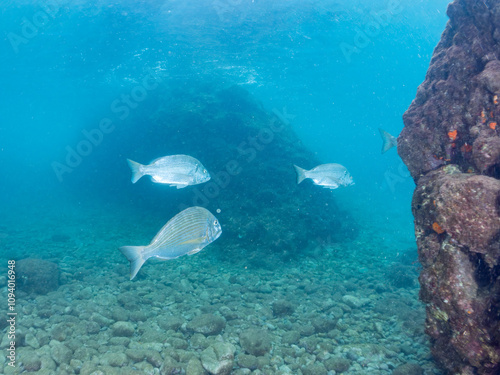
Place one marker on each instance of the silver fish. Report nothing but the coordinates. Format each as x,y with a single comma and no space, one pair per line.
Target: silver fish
330,176
186,233
175,170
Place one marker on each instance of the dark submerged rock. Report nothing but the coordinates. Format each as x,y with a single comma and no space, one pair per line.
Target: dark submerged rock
408,369
283,308
338,364
451,146
37,276
249,152
255,341
207,324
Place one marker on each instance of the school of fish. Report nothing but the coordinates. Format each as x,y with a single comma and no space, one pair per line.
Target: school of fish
193,229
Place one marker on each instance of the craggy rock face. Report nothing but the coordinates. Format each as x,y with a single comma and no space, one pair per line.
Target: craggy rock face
465,206
455,116
451,146
458,227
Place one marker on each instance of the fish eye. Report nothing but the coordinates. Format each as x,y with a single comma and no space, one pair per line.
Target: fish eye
204,171
216,222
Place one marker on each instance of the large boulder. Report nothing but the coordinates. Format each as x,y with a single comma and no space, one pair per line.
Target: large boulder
37,276
451,146
457,236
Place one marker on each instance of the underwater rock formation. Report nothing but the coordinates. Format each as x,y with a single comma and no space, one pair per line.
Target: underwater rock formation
249,153
451,145
37,276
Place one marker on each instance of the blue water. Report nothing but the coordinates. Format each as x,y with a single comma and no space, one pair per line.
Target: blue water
340,70
76,70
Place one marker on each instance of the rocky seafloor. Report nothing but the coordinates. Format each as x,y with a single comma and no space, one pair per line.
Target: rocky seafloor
347,308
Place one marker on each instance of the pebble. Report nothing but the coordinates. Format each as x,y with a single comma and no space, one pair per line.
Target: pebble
170,322
113,359
218,359
355,302
123,329
32,363
207,324
255,341
60,353
194,367
31,340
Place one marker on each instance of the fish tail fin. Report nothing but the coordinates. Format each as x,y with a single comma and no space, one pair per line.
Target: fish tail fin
137,171
134,256
388,141
301,174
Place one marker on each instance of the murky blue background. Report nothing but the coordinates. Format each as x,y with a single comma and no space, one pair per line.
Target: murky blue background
340,70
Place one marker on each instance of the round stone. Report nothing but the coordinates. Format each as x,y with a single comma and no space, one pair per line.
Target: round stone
207,324
123,329
218,359
255,341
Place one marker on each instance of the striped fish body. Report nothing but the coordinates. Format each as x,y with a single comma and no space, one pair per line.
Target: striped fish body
188,232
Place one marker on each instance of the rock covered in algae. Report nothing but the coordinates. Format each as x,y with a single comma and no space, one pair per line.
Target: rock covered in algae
451,146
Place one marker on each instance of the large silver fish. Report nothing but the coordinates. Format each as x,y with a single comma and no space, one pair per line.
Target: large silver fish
330,176
175,170
186,233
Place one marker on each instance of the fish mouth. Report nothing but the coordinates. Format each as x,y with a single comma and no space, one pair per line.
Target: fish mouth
203,179
217,235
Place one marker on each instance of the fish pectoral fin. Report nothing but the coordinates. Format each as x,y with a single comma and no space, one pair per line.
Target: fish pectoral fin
180,186
194,251
160,258
331,183
157,179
